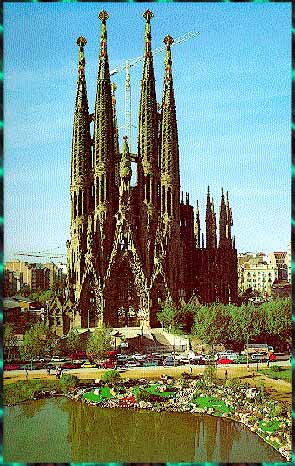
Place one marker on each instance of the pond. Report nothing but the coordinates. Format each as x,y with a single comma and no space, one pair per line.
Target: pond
58,430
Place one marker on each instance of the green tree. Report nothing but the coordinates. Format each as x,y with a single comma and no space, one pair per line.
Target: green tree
73,342
38,341
167,315
99,342
111,376
212,324
278,320
10,340
185,316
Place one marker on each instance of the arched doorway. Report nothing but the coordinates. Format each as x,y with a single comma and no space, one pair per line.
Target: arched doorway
122,300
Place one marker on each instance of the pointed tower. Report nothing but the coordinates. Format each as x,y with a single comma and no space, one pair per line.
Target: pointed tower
229,222
116,135
170,178
81,180
106,190
169,151
147,166
197,228
209,222
222,223
214,226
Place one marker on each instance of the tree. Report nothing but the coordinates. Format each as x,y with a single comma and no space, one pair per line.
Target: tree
111,376
212,324
167,315
10,340
38,341
99,343
73,341
185,316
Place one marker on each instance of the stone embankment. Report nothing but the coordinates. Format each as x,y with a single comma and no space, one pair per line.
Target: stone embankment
249,406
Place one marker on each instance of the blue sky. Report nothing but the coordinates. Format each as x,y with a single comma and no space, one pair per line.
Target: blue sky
233,98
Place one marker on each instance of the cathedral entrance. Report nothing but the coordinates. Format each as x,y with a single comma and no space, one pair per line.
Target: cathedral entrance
87,305
158,297
122,301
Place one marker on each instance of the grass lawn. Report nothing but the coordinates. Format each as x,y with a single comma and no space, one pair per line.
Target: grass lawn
153,390
269,426
283,374
211,402
104,394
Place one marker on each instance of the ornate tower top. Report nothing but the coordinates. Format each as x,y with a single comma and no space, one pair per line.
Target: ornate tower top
168,41
103,16
147,33
81,41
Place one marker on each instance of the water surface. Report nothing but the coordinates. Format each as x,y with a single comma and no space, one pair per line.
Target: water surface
57,430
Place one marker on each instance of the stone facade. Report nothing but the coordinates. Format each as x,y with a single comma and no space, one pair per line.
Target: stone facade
132,247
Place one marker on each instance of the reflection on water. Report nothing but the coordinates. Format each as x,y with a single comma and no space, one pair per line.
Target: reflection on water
59,430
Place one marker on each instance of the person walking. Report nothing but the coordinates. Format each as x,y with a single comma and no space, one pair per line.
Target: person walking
48,370
27,374
225,374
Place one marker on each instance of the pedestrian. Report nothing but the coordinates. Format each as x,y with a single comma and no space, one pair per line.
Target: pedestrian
268,363
27,374
191,370
225,374
48,370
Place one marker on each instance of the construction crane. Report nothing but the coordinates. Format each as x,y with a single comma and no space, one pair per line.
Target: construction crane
42,254
134,61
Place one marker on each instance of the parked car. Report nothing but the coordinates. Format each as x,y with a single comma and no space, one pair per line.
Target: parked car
272,357
88,365
70,365
132,363
150,362
198,360
11,367
108,364
224,361
242,359
259,357
57,359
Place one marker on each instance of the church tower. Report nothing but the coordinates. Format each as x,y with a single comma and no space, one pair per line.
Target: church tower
105,188
81,181
170,179
147,166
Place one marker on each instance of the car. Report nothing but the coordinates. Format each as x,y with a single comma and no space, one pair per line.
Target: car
132,363
88,365
150,362
242,359
224,361
70,365
259,357
57,359
272,357
198,360
11,367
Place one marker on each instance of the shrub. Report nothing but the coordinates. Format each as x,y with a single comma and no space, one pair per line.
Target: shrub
209,374
111,376
68,382
275,368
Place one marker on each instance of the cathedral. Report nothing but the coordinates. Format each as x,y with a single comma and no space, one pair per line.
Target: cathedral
133,247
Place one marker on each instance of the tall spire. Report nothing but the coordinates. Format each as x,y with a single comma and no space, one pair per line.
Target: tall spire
81,143
222,222
106,190
147,165
169,151
229,221
116,134
197,228
214,239
81,178
104,152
